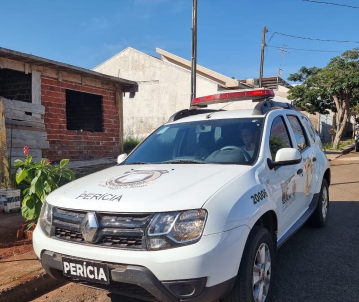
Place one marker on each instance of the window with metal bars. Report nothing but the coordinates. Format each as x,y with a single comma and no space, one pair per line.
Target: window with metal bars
84,111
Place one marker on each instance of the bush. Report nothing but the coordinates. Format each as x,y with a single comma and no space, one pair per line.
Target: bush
341,145
39,179
129,144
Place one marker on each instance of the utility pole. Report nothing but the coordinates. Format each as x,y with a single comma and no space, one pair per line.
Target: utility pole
194,50
262,56
282,50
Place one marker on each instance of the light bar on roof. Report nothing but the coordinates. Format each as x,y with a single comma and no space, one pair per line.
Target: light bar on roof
254,95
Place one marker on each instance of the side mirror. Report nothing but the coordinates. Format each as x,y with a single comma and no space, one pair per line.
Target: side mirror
285,157
121,158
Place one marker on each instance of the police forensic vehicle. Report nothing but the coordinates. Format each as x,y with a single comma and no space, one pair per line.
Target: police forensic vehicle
197,210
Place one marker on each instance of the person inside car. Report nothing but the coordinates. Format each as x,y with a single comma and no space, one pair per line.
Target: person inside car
248,137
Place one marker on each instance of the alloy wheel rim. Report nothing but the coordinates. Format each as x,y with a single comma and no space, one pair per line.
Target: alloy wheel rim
262,269
325,202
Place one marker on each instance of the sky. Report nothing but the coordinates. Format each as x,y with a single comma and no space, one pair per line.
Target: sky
86,33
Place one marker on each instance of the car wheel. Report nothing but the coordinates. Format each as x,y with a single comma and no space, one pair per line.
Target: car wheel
357,147
320,215
254,281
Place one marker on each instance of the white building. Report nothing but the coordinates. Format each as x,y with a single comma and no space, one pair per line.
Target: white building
164,87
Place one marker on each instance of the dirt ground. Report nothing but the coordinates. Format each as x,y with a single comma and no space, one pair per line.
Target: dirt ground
72,292
9,246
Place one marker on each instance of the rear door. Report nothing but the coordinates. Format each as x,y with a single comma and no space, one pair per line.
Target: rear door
305,147
316,147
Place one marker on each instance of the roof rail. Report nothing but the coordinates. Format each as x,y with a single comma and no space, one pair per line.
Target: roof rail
188,112
268,105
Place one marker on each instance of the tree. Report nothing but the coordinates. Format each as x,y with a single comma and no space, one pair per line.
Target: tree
334,87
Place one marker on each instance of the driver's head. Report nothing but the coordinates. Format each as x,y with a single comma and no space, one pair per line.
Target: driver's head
247,133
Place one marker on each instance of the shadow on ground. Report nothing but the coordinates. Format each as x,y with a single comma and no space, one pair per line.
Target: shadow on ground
321,264
318,264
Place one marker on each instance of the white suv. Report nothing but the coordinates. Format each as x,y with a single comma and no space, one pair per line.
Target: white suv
196,211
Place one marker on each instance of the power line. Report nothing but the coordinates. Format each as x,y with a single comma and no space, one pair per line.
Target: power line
314,39
272,36
302,49
331,3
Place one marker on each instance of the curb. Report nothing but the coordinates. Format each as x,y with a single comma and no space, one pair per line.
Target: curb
35,286
346,150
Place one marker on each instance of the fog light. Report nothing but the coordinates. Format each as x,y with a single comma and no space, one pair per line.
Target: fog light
182,289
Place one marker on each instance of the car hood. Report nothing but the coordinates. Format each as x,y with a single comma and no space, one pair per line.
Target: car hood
146,188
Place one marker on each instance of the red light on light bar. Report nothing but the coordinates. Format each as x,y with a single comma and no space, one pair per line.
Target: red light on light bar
233,96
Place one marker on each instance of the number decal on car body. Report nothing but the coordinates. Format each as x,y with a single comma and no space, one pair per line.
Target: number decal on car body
259,196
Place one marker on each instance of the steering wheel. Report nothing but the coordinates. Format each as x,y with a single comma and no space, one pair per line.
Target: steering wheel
245,154
231,148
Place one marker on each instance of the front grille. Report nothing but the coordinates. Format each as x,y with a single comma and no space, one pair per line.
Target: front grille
124,242
126,231
68,234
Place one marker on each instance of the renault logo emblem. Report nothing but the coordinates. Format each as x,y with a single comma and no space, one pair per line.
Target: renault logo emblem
89,226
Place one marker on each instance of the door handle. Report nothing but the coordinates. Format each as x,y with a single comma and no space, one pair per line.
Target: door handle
300,171
314,159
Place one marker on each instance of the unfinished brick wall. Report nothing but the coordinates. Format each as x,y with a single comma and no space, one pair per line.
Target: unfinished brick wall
15,85
75,144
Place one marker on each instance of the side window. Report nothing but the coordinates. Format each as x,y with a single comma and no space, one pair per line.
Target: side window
309,127
279,137
299,134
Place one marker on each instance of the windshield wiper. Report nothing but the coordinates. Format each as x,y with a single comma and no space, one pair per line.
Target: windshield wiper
137,163
184,161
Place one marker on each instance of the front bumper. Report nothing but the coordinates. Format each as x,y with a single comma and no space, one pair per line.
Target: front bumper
140,282
214,259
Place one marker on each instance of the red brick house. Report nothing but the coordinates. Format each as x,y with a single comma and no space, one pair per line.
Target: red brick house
60,110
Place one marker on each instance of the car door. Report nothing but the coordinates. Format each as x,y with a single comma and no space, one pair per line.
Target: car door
304,146
316,146
284,182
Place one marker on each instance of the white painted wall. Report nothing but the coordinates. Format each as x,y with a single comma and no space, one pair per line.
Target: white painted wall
164,89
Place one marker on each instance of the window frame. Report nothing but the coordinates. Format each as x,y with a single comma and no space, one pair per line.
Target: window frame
307,140
102,116
310,128
286,128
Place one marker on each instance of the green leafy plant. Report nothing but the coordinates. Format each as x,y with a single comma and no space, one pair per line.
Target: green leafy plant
129,144
38,180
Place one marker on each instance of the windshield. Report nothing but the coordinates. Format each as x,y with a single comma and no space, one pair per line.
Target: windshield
225,141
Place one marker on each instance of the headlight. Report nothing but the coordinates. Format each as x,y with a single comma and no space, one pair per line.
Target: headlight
46,218
168,230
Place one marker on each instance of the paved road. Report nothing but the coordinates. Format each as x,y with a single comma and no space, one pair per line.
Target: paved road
322,264
314,265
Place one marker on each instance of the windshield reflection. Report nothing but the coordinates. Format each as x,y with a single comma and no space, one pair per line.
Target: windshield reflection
225,141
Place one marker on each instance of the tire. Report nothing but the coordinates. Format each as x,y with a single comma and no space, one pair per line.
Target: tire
243,289
356,147
319,217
